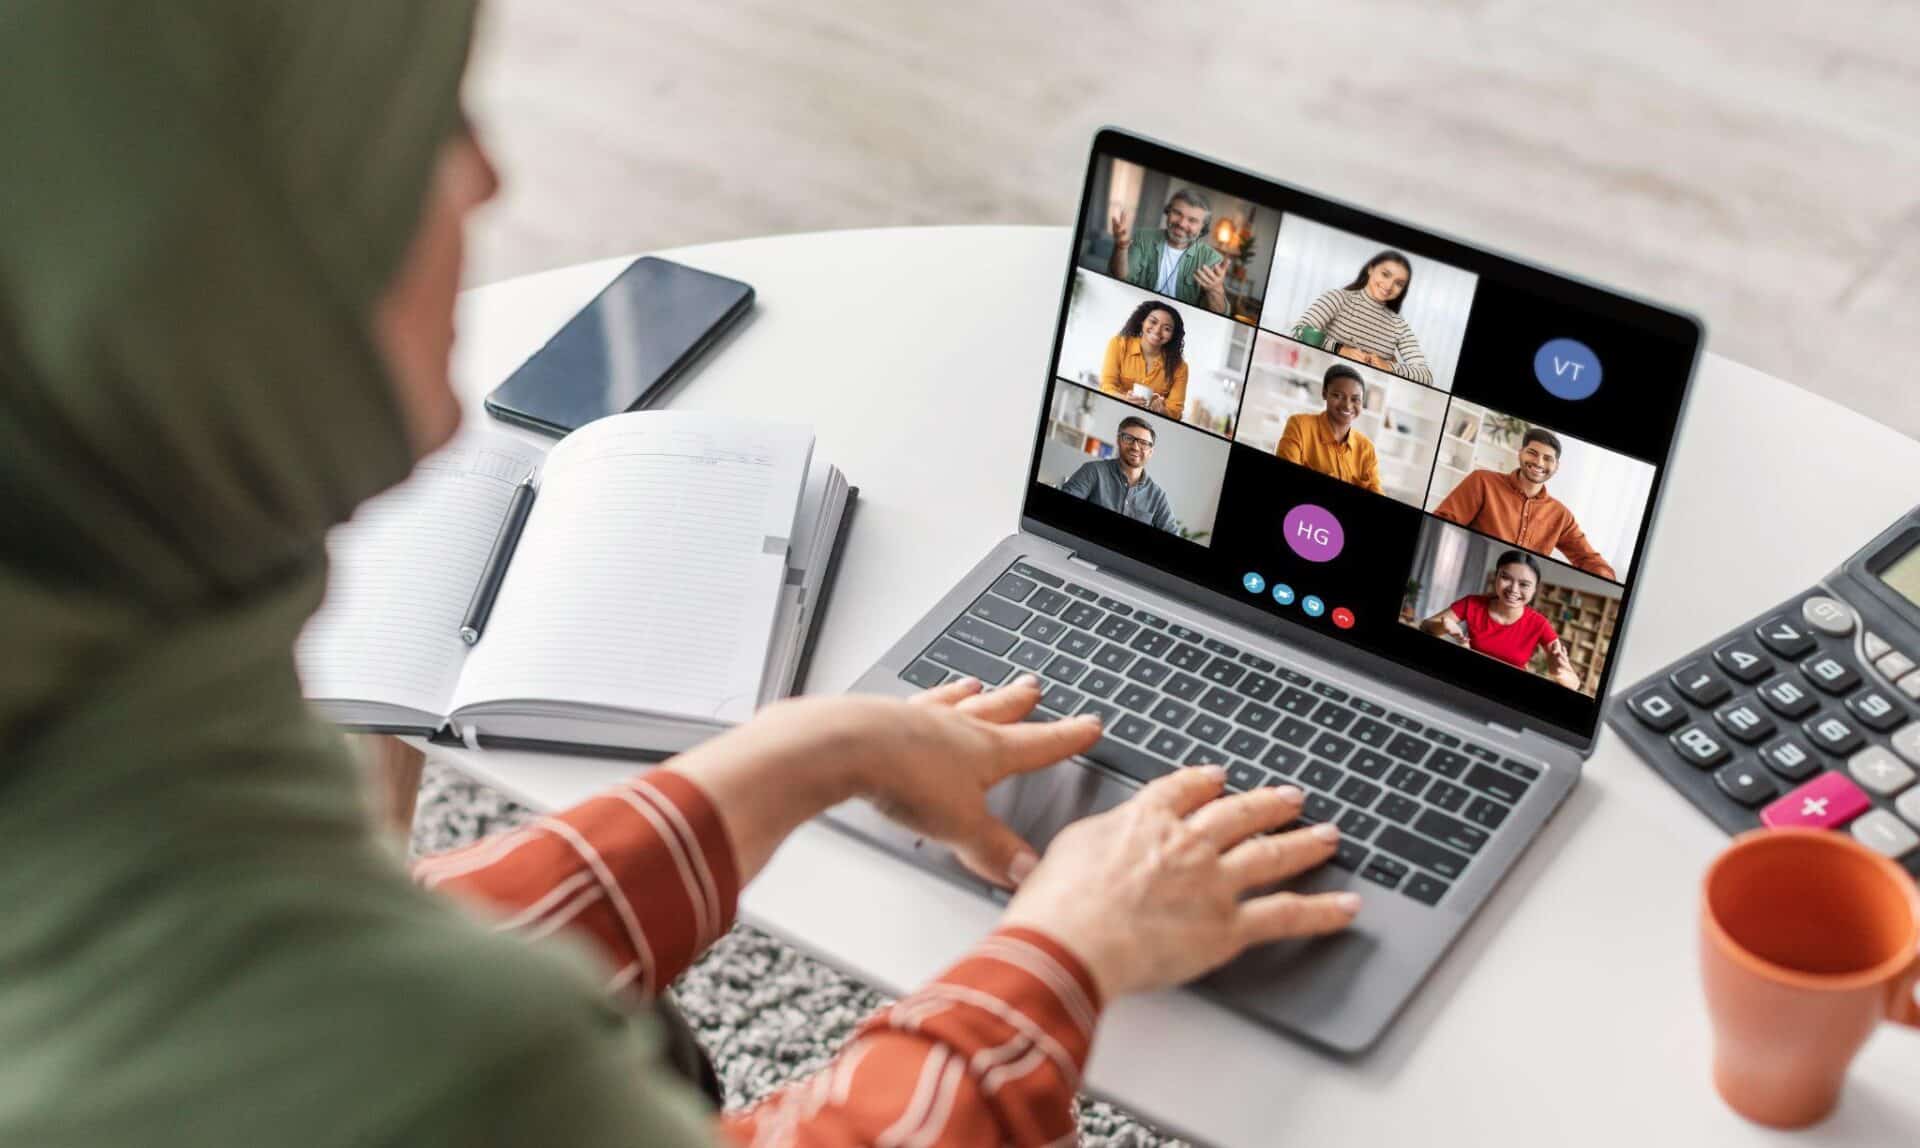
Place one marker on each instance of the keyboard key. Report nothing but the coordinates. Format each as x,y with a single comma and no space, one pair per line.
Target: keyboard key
1014,587
1451,831
1044,630
1426,889
1700,685
1383,870
1348,854
1116,606
1698,747
1116,628
1408,780
1186,635
1884,833
1283,760
1357,791
1520,769
1321,776
1442,737
1222,672
1170,745
1028,570
1827,615
1789,698
1293,731
1395,807
1049,602
1371,763
1136,698
1333,716
1492,781
1105,711
1000,612
1243,777
1150,673
1657,708
964,659
1330,691
1151,643
1255,662
1404,722
1220,700
1447,763
1064,669
1448,796
1294,676
1373,733
1298,702
1409,748
981,635
1221,648
1830,674
1062,700
1481,752
1082,615
924,674
1100,684
1743,659
1131,728
1746,783
1080,592
1833,734
1187,657
1332,747
1358,826
1745,721
1079,643
1788,758
1826,802
1205,755
1186,687
1876,711
1420,851
1245,743
1154,621
1486,813
1258,687
1032,655
1129,761
1317,808
1785,637
1112,657
1170,712
1878,771
1255,716
1371,709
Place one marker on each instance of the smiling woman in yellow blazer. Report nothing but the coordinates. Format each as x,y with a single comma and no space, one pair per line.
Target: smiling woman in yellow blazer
1328,442
1149,352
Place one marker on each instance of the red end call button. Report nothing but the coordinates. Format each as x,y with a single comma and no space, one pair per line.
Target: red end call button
1343,617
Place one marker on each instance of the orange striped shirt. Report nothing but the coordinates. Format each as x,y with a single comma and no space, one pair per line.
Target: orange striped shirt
989,1053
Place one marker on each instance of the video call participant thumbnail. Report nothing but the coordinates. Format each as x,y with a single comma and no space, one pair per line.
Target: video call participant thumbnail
1121,484
1171,259
1504,624
1328,442
1515,507
1362,322
1146,363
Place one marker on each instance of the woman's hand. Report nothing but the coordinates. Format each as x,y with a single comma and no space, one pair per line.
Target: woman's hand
1157,404
1560,666
1149,894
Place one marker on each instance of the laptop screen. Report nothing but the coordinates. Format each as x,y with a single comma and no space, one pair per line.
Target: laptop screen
1357,428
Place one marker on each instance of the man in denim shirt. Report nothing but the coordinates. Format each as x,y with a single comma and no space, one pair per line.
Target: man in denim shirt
1121,484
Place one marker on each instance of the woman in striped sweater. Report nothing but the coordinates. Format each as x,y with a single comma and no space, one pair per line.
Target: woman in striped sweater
1362,322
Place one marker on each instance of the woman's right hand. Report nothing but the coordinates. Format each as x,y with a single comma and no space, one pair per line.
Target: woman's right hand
1150,894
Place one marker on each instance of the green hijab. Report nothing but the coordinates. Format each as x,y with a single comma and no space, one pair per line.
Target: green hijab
203,942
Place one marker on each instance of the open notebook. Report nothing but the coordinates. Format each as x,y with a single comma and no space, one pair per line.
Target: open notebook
664,587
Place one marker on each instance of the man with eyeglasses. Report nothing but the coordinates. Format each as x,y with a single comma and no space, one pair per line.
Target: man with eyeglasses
1121,484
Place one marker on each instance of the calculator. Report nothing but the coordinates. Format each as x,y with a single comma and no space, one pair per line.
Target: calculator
1804,714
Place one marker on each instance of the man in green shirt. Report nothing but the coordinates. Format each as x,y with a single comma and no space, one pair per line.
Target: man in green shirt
1171,259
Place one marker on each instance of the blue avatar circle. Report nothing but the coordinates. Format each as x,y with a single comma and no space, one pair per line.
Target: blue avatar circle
1568,368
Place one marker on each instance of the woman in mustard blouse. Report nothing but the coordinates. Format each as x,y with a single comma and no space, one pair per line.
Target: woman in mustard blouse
1327,442
1148,353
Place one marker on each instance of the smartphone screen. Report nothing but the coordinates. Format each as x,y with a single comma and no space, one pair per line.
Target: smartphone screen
624,349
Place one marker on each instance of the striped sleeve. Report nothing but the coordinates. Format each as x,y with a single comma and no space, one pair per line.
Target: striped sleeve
645,869
1411,361
1320,315
989,1054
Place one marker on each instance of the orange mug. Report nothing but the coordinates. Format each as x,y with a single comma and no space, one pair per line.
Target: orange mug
1808,939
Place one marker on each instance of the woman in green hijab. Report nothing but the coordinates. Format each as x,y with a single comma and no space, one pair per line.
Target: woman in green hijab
229,250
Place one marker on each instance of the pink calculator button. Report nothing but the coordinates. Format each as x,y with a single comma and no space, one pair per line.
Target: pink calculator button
1823,803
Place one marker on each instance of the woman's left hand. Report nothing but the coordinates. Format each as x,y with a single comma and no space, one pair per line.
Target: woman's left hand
1157,404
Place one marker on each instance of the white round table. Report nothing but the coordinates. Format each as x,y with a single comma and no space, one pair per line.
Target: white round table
1570,1012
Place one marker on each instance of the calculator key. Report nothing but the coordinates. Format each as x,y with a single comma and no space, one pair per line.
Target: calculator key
1875,710
1789,697
1910,685
1909,806
1828,615
1878,771
1698,747
1893,665
1656,708
1906,742
1785,637
1426,889
1827,801
1700,685
1833,734
1743,659
1876,645
1746,783
1830,674
1744,721
924,674
1884,833
1788,758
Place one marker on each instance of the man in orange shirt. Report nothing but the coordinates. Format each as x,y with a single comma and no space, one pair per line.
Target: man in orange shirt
1327,442
1516,507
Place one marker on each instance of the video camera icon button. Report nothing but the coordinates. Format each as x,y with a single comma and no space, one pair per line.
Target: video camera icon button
1283,593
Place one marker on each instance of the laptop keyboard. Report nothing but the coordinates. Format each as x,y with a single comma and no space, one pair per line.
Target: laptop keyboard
1415,805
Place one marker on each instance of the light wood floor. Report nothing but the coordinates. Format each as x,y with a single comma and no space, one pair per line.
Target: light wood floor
1756,162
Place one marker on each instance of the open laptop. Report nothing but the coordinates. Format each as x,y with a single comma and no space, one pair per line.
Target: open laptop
1335,501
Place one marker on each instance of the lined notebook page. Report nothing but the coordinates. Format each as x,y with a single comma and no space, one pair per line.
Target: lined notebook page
650,569
403,571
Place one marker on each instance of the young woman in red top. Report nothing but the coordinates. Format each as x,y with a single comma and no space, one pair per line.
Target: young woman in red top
1504,624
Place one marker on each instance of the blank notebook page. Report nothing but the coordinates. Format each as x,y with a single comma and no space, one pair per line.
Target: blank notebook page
402,572
650,569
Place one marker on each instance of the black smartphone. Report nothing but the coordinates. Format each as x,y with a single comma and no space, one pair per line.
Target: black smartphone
624,350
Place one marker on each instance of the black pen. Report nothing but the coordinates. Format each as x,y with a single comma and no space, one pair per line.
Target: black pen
495,570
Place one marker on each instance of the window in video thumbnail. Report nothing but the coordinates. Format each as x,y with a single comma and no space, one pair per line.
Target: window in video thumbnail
1540,490
1178,239
1368,302
1163,356
1369,428
1534,614
1133,463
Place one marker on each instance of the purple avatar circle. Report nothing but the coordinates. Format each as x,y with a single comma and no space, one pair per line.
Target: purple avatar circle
1314,533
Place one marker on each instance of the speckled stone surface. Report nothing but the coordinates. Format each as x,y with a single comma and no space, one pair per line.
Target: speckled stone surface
766,1013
